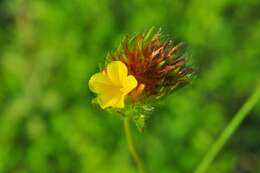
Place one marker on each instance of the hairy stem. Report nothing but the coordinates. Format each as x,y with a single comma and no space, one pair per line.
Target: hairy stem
131,147
228,131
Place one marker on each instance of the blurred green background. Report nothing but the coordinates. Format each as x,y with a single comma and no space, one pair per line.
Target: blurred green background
49,49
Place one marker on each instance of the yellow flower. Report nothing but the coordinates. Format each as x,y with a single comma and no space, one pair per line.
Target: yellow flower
112,85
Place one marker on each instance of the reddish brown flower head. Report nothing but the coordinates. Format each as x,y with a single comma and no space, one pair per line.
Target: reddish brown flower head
157,65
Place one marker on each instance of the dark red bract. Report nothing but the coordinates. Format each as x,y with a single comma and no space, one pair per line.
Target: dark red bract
154,63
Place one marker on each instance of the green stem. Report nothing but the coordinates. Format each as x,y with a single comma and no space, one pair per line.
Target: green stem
131,147
228,131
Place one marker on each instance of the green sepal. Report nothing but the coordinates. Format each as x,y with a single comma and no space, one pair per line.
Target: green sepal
140,122
138,112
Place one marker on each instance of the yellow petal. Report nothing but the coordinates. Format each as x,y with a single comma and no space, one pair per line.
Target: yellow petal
105,101
129,84
120,102
112,85
117,72
100,83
